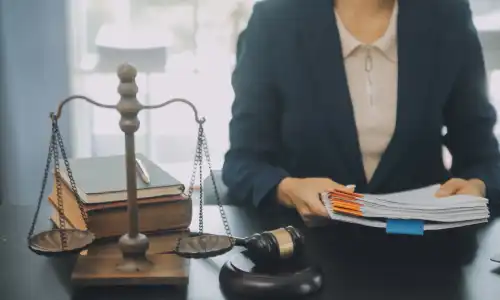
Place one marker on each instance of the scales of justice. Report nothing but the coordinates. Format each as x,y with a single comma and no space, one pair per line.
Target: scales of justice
135,266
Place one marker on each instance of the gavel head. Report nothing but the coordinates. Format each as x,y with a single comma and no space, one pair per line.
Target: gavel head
275,245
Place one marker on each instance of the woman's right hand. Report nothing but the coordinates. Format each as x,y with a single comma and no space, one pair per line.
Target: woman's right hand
302,194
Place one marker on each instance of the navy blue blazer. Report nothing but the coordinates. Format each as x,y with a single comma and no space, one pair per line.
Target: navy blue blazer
292,113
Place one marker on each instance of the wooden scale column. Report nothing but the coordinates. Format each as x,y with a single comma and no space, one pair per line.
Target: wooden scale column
135,267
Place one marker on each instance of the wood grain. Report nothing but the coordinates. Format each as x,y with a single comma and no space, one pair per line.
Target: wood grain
168,269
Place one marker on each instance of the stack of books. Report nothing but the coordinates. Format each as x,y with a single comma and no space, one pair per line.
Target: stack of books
407,212
165,212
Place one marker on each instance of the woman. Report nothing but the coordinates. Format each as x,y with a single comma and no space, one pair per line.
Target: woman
338,92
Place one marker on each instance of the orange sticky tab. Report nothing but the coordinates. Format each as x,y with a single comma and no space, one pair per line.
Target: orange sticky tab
346,204
347,211
352,194
343,197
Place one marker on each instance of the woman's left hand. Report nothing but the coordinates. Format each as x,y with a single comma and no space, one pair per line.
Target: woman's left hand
458,186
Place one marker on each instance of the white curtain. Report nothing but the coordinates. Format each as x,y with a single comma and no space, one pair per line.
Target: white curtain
199,38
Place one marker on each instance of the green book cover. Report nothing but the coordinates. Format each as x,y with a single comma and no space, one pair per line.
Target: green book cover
103,179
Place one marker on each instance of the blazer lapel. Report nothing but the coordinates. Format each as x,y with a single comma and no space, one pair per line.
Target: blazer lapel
415,47
321,42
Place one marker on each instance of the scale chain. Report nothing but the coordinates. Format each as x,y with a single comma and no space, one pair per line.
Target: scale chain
197,164
217,196
200,152
200,166
44,183
60,204
70,175
56,145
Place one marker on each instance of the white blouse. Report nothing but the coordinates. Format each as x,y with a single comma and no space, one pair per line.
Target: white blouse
372,75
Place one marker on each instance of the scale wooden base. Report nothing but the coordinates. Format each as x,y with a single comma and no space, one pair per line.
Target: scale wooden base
159,269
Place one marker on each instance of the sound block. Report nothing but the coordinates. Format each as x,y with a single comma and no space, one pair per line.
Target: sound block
240,277
159,269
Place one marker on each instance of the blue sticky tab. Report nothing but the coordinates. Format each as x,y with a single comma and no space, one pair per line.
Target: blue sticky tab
411,227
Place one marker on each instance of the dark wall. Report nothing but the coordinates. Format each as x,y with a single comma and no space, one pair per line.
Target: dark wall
34,78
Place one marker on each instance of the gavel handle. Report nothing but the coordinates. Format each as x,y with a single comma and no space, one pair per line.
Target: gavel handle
239,242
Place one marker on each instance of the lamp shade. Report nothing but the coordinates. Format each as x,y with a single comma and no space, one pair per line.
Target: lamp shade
139,46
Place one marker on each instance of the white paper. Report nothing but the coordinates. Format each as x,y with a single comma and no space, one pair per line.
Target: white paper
419,204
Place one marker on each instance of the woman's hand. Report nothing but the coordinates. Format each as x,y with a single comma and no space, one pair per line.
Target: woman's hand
303,194
457,186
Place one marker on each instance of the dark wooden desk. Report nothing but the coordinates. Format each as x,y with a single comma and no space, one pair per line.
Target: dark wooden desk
359,263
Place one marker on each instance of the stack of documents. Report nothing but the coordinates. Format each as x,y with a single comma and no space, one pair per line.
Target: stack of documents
409,212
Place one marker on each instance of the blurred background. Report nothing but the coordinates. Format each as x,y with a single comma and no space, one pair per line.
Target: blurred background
182,48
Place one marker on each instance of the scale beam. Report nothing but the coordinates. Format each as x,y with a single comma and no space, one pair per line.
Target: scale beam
135,266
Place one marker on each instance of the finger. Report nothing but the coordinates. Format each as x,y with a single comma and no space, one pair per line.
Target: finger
317,208
288,204
351,187
469,190
451,187
345,188
303,210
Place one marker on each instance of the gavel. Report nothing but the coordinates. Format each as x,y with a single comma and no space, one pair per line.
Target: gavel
269,246
273,246
270,267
